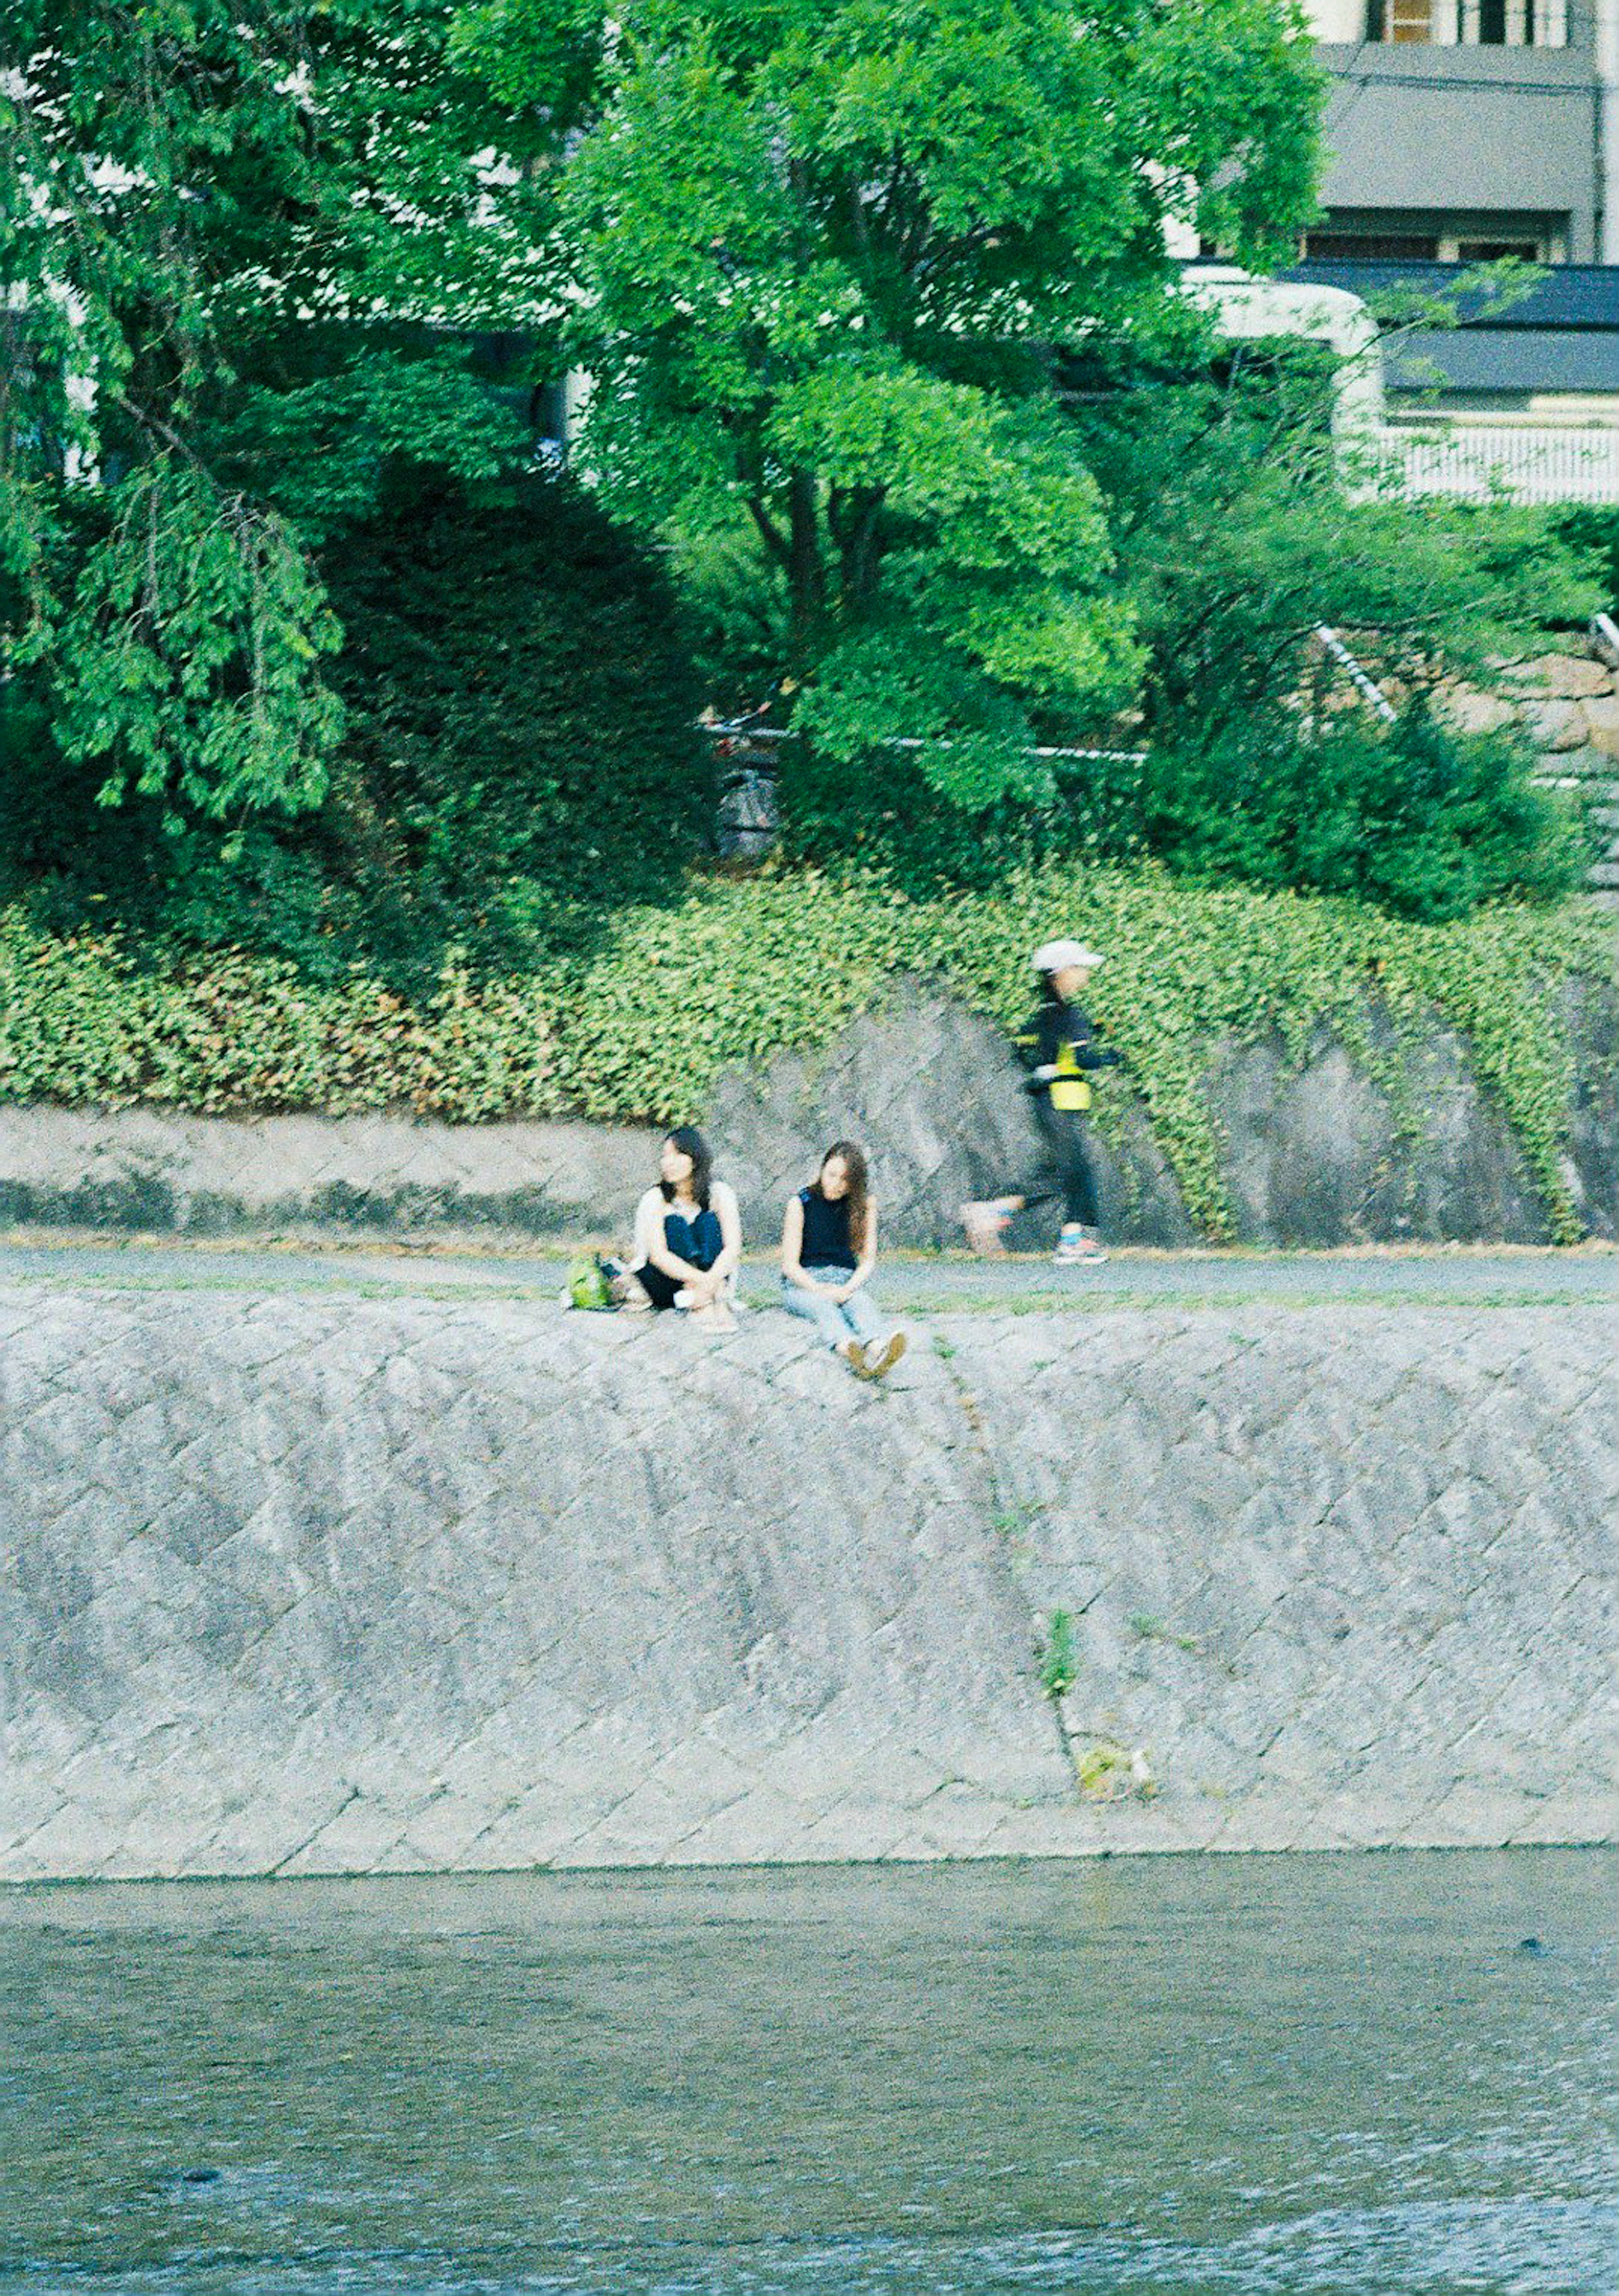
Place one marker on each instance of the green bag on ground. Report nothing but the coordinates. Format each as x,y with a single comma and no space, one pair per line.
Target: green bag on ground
589,1285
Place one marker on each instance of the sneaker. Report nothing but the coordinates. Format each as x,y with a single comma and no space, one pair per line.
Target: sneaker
1079,1250
854,1354
893,1349
985,1226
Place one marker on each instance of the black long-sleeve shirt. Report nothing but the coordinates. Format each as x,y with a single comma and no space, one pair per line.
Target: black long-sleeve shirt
1058,1035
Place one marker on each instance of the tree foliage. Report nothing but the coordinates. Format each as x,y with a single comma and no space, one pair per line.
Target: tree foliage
1238,537
519,750
1424,820
886,346
822,253
184,189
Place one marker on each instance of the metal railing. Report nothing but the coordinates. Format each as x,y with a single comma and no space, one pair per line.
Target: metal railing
1529,463
747,756
1365,685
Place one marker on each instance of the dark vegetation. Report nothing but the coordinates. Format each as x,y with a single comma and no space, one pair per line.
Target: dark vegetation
519,755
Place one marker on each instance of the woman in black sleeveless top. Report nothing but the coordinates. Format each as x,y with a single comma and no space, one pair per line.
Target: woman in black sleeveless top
829,1248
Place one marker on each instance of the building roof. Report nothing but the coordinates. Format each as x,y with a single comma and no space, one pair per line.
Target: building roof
1560,335
1525,360
1582,295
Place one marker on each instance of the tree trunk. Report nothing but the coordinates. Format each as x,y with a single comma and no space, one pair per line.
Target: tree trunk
806,572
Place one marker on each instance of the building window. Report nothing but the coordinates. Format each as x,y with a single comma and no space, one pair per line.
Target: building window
1513,23
1370,247
1428,235
1499,250
1470,23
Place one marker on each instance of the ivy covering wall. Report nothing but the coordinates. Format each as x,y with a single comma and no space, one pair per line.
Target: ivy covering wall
740,969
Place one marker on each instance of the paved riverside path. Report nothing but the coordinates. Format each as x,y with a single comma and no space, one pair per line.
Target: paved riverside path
910,1283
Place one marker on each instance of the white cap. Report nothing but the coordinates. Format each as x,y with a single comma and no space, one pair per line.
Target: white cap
1052,956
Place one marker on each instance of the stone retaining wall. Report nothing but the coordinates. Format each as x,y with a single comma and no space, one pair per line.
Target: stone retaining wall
1314,1154
1567,705
297,1585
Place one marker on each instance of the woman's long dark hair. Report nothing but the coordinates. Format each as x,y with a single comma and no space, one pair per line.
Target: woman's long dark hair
858,1194
691,1142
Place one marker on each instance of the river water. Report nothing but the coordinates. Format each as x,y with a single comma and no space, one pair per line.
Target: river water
1357,2076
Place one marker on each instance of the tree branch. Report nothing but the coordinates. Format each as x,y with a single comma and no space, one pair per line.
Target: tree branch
770,533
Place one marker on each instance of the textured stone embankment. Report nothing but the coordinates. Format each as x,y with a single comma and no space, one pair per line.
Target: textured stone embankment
298,1584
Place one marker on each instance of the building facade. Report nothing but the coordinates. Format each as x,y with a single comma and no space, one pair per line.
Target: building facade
1463,130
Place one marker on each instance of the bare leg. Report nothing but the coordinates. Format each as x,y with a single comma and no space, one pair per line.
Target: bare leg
985,1223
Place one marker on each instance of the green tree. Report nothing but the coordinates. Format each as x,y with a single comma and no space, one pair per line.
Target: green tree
184,191
1238,537
824,251
1237,540
522,750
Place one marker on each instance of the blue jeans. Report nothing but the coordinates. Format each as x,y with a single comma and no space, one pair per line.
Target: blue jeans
838,1321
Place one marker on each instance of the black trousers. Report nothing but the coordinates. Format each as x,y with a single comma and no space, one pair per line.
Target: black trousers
1069,1172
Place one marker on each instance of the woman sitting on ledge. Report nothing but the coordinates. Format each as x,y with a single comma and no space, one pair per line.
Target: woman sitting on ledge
829,1248
688,1236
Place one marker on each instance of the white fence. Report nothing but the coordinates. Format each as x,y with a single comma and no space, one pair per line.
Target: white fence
1475,460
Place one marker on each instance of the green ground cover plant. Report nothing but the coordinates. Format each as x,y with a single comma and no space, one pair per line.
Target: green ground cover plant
782,961
1593,528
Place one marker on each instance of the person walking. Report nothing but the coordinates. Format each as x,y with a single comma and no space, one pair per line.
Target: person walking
829,1248
1058,1046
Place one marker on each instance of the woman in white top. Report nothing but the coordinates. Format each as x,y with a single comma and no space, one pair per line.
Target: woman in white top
688,1233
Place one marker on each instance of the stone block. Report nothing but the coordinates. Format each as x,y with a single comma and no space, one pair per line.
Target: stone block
647,1826
1265,1821
362,1830
1556,725
1576,1820
1602,717
1575,675
851,1833
762,1827
1470,711
75,1840
956,1825
27,1801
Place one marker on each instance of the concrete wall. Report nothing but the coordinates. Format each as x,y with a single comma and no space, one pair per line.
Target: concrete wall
298,1586
1478,129
1314,1153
